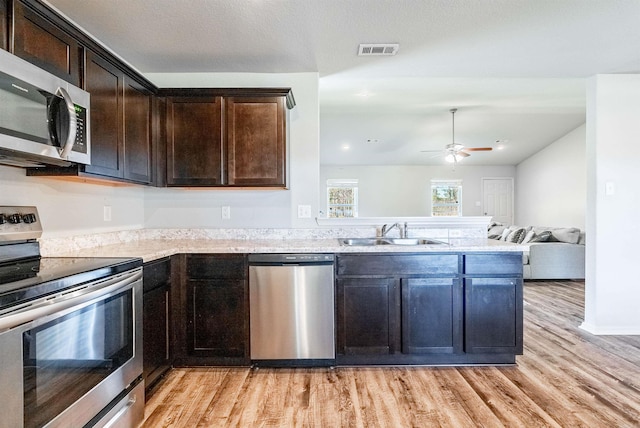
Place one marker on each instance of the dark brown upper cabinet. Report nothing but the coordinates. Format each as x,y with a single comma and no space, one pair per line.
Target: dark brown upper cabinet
194,141
137,132
255,141
105,82
4,25
227,137
120,122
37,40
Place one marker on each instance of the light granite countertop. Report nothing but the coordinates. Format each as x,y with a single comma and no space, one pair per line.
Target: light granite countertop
152,249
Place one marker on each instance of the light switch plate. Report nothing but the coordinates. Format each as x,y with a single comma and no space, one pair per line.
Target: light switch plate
226,212
106,213
304,211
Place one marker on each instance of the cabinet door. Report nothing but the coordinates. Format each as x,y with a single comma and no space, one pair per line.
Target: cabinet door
4,27
41,43
367,316
104,82
156,318
137,132
256,137
431,315
155,321
194,141
217,318
493,315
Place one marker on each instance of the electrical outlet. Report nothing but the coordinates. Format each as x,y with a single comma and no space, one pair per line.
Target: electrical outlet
609,188
455,233
226,212
106,213
304,211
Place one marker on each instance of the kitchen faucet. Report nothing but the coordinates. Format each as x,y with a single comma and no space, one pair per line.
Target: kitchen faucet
402,229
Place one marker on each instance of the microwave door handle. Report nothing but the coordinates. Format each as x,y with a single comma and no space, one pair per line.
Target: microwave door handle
73,125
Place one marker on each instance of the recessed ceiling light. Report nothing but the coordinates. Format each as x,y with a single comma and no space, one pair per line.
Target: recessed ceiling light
365,94
345,147
501,144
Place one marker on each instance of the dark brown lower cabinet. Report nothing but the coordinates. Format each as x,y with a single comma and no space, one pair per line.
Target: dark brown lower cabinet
447,308
217,311
215,317
493,315
367,315
432,312
156,320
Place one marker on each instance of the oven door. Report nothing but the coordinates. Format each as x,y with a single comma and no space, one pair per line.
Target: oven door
68,365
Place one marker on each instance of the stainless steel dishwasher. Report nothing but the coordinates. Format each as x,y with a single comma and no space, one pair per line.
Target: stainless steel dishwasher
291,309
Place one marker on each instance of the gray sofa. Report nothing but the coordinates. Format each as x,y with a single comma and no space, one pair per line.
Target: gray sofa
559,255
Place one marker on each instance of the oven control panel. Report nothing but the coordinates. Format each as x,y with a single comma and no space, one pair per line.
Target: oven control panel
19,223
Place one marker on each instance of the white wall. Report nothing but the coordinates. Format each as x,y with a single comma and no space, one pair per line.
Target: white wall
69,208
405,190
613,230
249,208
551,185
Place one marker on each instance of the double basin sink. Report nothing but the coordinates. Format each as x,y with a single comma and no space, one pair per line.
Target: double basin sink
389,241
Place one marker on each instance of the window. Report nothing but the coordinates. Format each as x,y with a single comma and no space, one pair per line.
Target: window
342,198
446,198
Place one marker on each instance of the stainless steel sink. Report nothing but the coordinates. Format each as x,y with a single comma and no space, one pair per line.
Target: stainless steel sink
389,241
365,241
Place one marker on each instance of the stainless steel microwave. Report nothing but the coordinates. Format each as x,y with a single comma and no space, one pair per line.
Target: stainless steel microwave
44,120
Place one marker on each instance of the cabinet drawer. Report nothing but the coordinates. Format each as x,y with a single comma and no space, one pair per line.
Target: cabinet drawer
227,266
410,264
493,264
156,273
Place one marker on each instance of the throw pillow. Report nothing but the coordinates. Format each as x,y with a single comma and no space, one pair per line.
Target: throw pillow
516,235
542,236
505,233
494,236
528,237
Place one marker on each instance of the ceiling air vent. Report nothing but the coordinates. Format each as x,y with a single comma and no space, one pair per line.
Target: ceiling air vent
370,49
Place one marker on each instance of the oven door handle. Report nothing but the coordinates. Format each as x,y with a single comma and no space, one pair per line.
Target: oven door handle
69,300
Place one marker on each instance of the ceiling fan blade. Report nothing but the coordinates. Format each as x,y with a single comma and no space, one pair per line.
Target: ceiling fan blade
430,151
462,153
478,149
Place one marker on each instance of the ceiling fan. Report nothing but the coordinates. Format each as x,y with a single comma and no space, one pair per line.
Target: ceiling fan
454,152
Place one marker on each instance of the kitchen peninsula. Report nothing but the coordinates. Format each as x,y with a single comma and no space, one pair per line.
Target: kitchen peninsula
442,304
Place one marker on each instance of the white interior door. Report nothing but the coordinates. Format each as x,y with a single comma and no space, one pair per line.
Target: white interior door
497,199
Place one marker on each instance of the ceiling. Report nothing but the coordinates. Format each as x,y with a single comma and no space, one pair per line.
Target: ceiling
515,69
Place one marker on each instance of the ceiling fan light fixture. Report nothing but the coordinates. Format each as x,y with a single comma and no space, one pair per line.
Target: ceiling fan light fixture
454,157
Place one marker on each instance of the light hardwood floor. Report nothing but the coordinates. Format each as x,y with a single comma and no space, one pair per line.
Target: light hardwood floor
566,378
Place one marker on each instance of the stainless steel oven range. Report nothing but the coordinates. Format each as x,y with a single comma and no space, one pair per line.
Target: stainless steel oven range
70,334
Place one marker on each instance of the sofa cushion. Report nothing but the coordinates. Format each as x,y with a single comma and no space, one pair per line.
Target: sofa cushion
570,235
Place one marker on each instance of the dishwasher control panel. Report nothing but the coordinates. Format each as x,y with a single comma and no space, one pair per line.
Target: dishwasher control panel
291,258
